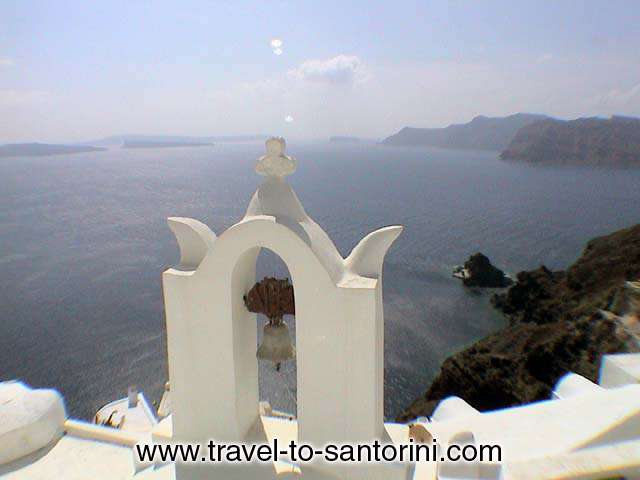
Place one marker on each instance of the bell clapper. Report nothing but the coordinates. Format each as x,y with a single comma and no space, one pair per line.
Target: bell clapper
275,322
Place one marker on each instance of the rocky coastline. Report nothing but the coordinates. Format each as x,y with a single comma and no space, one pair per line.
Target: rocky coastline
559,321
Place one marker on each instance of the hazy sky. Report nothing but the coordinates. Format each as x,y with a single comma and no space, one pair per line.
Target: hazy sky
76,70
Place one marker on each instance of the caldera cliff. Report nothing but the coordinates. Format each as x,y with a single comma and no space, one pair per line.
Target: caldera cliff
559,321
589,141
481,133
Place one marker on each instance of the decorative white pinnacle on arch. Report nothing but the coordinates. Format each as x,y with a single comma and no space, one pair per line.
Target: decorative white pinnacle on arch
275,163
212,337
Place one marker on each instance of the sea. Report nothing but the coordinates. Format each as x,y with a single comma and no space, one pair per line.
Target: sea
84,240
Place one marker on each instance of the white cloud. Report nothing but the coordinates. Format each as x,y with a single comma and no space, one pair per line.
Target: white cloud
422,94
341,69
5,62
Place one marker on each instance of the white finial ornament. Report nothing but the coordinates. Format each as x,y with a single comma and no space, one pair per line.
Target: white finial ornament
275,163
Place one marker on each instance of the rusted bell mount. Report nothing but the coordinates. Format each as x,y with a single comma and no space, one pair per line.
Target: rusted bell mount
273,298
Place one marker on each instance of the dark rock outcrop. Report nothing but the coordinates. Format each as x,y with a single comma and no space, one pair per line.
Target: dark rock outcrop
556,326
589,141
481,133
479,272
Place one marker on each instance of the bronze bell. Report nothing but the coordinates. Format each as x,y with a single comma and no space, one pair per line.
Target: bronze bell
274,298
276,343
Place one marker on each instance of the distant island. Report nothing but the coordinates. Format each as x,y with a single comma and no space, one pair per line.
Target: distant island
43,149
344,139
590,141
481,133
165,140
157,144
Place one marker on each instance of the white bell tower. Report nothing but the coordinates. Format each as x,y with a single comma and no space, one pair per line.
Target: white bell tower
339,328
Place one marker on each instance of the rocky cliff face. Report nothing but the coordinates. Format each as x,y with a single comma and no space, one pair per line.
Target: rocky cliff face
556,325
481,133
591,141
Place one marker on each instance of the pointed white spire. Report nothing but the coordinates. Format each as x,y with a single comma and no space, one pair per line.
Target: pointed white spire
275,163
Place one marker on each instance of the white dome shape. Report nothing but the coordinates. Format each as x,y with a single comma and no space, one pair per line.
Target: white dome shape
29,419
452,407
573,384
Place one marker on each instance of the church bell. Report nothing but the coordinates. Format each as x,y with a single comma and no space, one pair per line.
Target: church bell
276,343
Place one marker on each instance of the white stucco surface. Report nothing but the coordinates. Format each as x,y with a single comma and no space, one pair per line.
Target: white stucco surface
73,458
620,369
619,460
452,407
572,384
137,418
30,419
553,427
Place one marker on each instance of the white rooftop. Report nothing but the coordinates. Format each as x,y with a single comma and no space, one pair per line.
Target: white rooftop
580,437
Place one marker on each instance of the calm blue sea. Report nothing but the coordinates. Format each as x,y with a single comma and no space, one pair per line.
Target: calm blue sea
83,241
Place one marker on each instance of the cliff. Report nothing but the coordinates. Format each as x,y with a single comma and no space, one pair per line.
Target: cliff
557,324
481,133
591,141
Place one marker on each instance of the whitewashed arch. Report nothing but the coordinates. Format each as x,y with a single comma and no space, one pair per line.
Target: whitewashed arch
339,324
214,337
